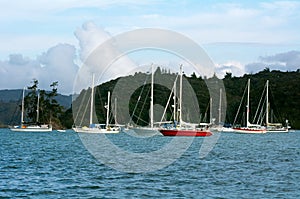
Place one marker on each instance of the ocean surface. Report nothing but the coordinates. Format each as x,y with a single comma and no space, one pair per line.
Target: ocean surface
59,165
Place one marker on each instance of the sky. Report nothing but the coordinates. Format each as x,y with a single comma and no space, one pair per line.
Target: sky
49,40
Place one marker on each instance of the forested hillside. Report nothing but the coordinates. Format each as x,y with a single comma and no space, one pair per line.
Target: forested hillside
284,92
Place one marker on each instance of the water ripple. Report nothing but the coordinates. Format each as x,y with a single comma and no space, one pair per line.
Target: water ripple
57,165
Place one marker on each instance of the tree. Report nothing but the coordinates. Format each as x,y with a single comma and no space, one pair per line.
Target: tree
44,103
228,75
193,75
30,101
53,106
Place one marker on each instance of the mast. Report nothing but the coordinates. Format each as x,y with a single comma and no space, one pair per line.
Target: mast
180,97
37,108
92,100
115,111
267,103
151,99
174,105
22,111
248,108
220,106
107,111
210,111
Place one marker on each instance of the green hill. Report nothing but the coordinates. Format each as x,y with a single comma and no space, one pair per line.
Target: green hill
284,94
133,94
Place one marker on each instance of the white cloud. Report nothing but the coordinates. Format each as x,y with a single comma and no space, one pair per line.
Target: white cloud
57,64
30,44
30,27
38,24
90,37
234,67
286,61
98,59
33,8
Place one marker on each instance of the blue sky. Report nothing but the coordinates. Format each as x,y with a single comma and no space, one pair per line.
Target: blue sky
235,34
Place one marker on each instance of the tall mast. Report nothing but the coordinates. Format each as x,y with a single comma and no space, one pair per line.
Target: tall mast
220,106
107,111
115,110
37,108
92,100
267,103
210,111
248,108
174,106
151,100
22,111
180,97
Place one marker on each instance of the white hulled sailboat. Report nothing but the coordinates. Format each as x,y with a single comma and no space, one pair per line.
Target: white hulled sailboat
37,127
97,128
273,127
249,128
149,130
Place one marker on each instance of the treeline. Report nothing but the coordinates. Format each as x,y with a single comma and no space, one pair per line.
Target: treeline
284,95
284,98
40,106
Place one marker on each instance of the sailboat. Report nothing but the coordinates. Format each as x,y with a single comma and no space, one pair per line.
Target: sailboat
98,128
151,130
249,128
23,127
184,129
273,127
220,126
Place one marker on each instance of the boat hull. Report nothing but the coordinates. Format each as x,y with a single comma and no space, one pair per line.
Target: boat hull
278,131
32,129
249,130
95,130
145,132
185,132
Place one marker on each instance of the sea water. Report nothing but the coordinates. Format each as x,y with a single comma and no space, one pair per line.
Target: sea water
59,165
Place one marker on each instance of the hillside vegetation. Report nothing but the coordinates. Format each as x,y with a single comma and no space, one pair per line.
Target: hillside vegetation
133,98
284,92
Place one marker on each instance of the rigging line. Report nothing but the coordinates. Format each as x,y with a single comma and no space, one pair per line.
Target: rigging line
240,106
16,108
139,117
262,118
166,107
139,98
85,110
206,111
143,105
102,106
280,118
111,115
80,107
191,92
261,115
259,104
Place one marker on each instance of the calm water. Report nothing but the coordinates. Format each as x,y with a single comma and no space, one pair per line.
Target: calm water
57,165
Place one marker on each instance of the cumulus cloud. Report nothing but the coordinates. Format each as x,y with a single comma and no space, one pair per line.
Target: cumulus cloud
57,64
98,54
287,61
234,67
290,60
90,36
